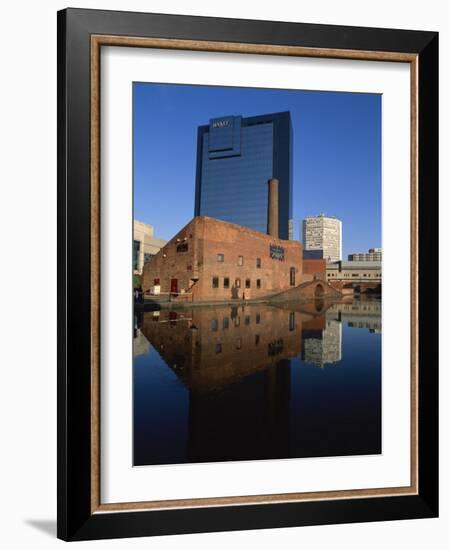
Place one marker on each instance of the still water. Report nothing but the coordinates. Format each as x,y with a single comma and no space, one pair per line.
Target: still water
257,382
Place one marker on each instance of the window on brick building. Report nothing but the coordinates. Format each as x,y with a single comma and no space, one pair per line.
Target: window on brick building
258,262
248,283
226,282
258,318
291,320
218,348
220,257
247,319
215,282
239,343
258,283
237,283
240,260
292,276
256,339
237,321
214,325
225,323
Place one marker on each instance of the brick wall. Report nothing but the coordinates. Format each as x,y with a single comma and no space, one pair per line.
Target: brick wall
202,241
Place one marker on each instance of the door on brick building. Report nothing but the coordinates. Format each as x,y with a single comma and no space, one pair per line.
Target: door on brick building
174,285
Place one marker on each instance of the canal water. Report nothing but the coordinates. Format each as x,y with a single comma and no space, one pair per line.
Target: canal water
257,382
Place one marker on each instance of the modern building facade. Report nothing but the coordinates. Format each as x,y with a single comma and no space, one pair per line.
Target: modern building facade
236,156
374,255
145,245
356,272
322,238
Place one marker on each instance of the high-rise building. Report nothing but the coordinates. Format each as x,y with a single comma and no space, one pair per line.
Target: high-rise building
322,238
236,157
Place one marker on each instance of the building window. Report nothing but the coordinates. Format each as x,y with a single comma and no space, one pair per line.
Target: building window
214,325
247,320
182,247
239,343
240,260
247,283
136,249
291,320
258,262
237,321
156,281
220,257
237,283
226,282
258,283
256,339
258,318
215,282
147,257
218,348
355,274
225,323
292,276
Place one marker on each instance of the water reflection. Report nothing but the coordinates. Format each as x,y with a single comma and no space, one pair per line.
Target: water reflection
242,383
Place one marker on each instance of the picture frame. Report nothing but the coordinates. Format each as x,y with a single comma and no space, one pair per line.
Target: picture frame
81,36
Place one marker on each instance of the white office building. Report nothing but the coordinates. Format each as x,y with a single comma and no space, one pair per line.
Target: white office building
322,238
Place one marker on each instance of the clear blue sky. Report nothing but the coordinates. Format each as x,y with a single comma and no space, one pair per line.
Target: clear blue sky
337,153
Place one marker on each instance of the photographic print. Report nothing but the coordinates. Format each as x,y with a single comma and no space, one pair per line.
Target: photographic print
257,274
247,256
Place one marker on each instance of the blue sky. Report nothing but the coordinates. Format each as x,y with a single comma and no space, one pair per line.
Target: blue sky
337,153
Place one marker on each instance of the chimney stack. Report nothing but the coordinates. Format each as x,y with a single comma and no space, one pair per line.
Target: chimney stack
272,214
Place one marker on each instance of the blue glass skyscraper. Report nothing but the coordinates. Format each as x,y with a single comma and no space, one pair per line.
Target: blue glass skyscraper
236,157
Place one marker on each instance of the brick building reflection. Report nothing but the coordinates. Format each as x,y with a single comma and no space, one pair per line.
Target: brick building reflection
238,355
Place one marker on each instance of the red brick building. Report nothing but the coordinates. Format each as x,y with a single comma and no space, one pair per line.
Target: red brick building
210,260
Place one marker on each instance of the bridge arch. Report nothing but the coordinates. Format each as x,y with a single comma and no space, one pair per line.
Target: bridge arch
319,291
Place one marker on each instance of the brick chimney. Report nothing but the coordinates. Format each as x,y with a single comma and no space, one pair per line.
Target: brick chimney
272,212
